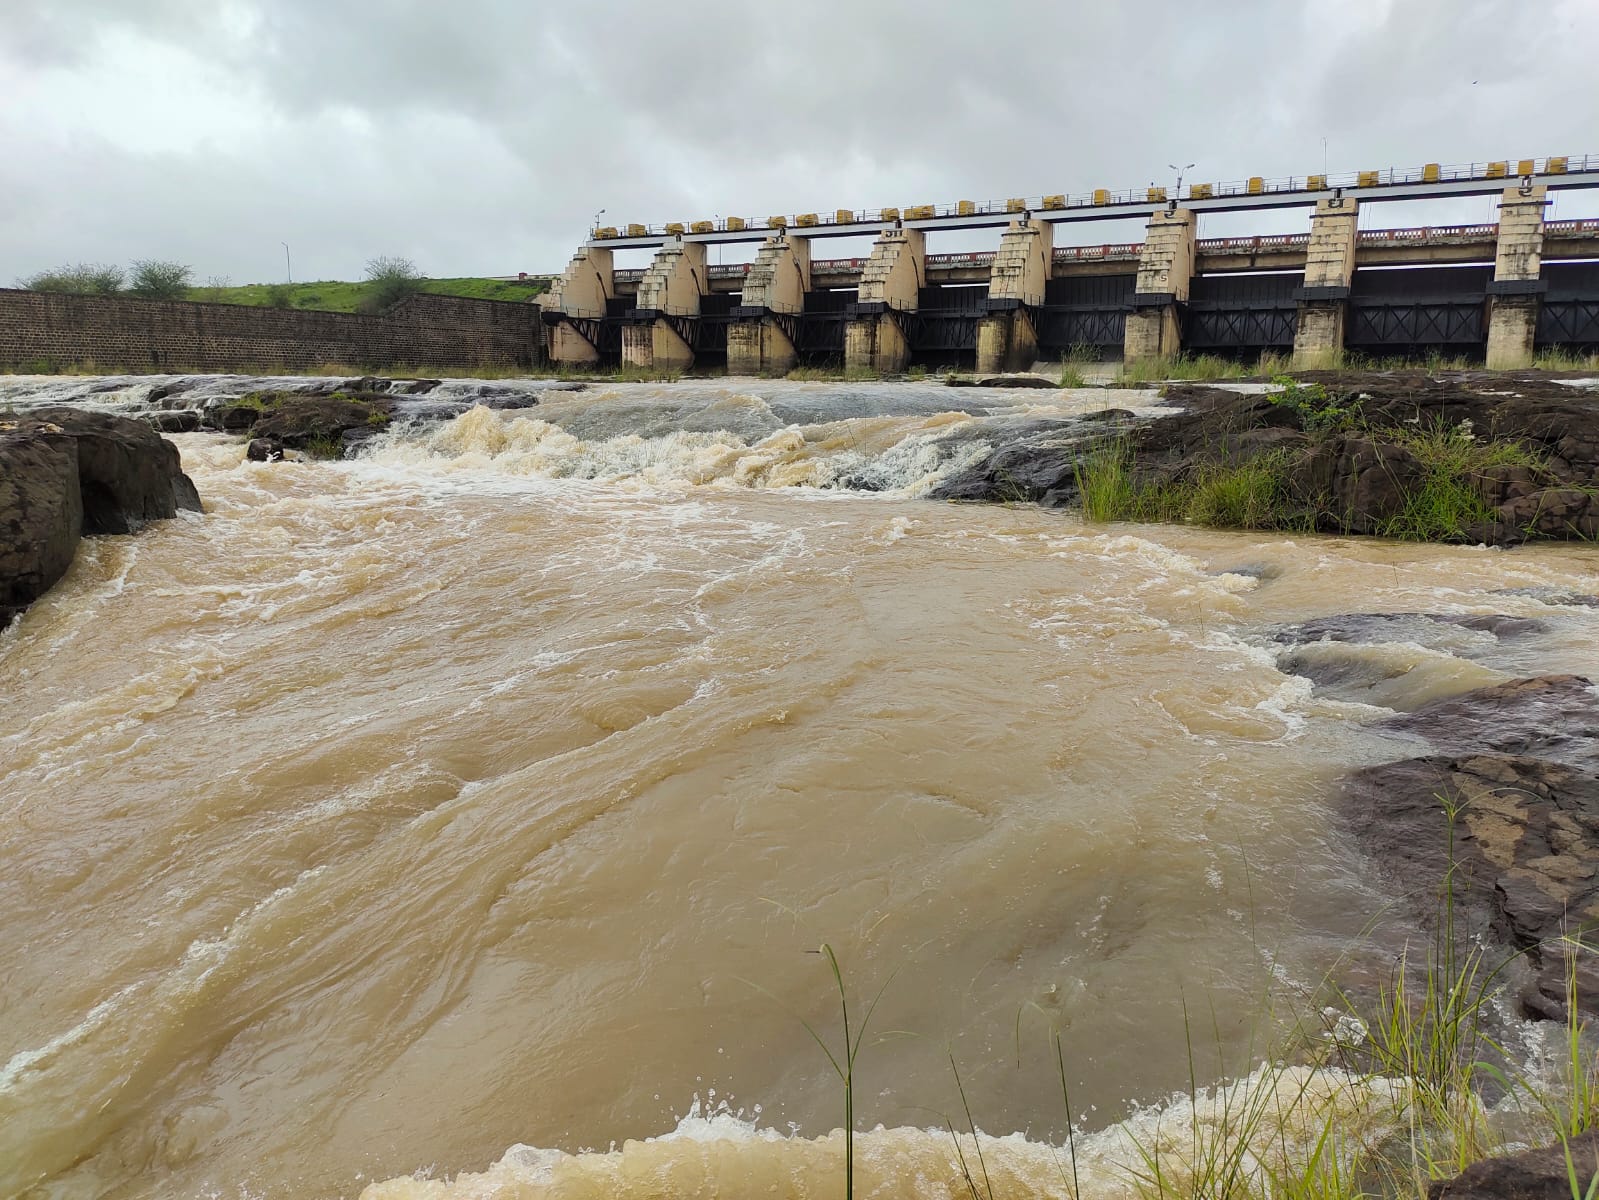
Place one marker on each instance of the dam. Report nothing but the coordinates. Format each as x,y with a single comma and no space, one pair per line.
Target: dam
1502,291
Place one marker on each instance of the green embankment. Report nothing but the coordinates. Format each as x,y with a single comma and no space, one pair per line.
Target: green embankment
338,296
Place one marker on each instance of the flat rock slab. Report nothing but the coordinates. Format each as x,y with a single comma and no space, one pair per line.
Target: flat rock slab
1518,766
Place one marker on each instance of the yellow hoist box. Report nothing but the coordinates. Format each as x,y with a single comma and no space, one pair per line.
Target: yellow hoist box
1156,195
1015,204
675,227
844,216
1526,167
1053,202
1430,173
636,230
965,208
777,222
919,212
1497,170
1257,185
606,231
1316,183
735,223
807,220
889,214
702,227
1366,179
1199,191
1101,195
1555,166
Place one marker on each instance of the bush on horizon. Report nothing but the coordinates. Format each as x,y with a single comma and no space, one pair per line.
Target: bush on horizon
390,279
160,279
81,279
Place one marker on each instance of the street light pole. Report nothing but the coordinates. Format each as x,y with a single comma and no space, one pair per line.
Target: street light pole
288,266
1180,170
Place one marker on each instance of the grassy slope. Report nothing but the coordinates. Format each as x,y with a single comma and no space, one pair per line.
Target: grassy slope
337,296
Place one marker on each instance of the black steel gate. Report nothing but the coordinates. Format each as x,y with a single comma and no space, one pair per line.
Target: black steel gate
1416,310
1569,316
1241,314
710,330
1085,314
821,326
943,329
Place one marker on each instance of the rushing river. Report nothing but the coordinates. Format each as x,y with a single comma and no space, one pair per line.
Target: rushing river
496,789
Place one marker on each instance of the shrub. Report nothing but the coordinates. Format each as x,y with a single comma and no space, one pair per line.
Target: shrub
389,280
279,295
84,279
1318,409
159,279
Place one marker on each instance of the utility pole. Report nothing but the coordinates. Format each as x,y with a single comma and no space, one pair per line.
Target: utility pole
288,266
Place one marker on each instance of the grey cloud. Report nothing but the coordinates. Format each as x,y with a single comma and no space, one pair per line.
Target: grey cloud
481,137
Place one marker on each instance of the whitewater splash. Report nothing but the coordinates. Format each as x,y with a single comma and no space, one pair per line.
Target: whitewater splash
1270,1124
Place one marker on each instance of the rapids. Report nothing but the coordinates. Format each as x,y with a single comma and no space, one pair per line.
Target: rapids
496,789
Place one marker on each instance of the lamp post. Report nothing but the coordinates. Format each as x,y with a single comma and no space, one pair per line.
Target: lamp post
1178,192
288,266
595,224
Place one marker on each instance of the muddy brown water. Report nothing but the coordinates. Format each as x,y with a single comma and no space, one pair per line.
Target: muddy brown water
497,789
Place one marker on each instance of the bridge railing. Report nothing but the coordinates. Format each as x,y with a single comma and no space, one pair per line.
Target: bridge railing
1506,169
1118,251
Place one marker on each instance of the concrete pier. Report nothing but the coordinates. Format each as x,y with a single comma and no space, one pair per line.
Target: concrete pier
891,282
1006,337
760,342
1516,288
668,295
581,291
1324,296
1165,268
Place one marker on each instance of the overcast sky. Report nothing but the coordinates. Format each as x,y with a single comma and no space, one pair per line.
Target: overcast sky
481,137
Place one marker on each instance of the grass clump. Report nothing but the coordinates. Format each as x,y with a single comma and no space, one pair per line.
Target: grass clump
1250,494
1198,368
1449,499
324,446
837,374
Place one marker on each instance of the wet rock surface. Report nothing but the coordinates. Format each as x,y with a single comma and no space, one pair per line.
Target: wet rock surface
1516,766
65,473
1530,1175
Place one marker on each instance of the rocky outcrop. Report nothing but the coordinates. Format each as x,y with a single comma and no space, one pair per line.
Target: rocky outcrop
1346,455
1530,1175
65,473
326,424
1507,805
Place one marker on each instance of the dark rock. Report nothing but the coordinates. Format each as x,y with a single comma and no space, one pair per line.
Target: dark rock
959,381
41,516
66,473
1519,765
296,421
415,387
1527,1175
235,418
1402,627
1017,381
1558,596
181,421
1560,512
1362,481
1261,571
509,401
263,450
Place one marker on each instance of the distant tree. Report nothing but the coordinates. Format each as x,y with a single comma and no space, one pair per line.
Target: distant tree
217,282
389,280
157,279
84,279
280,295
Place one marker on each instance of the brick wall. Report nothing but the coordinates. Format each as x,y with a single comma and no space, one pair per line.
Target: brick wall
43,331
